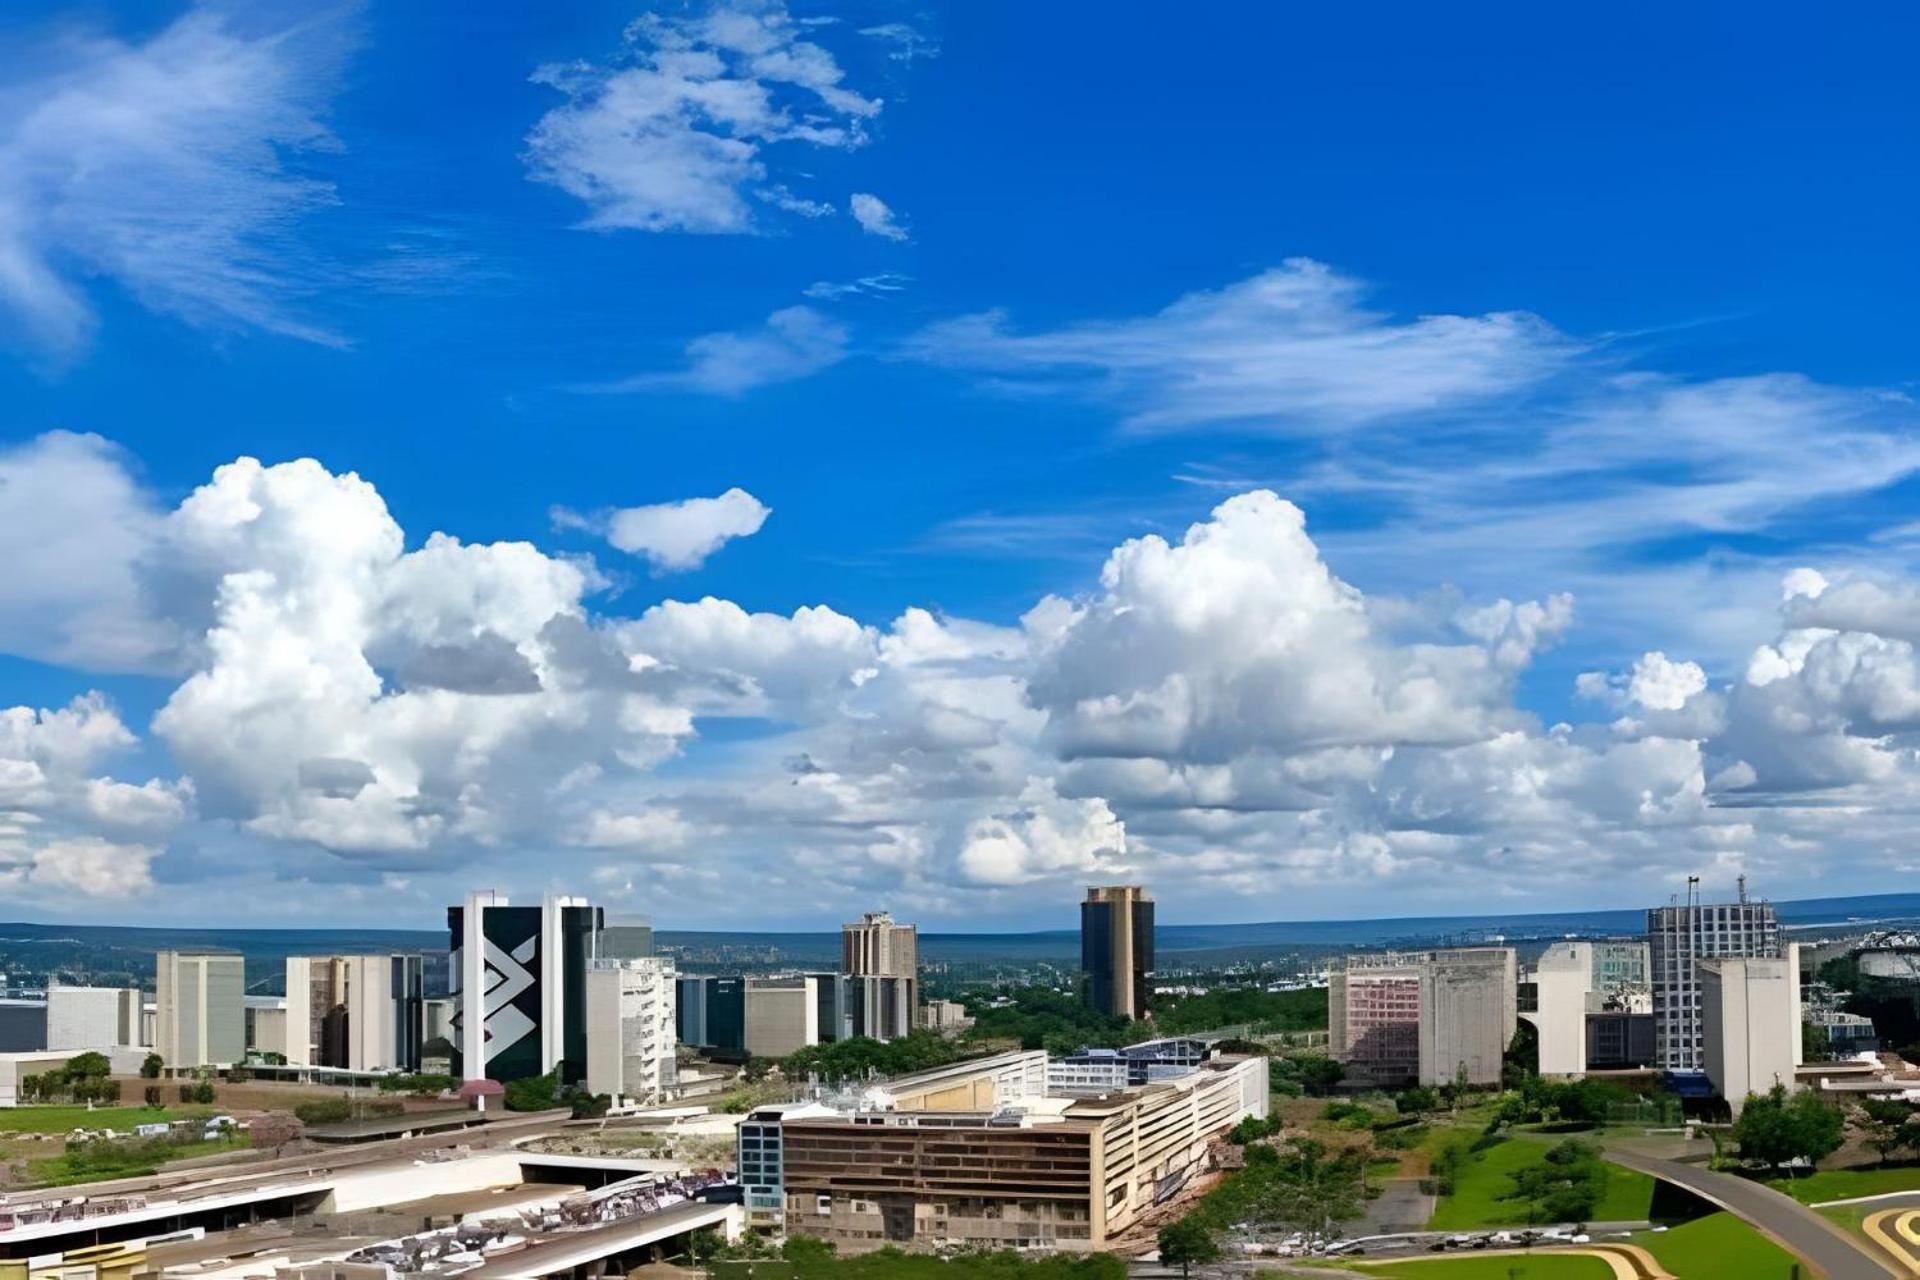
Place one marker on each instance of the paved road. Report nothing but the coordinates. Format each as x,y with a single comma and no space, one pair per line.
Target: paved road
1831,1251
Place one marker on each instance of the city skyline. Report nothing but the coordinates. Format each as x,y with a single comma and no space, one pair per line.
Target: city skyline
753,462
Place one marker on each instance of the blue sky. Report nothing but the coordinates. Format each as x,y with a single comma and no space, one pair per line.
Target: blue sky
1511,304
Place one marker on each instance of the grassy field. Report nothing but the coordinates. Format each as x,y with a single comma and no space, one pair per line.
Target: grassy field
60,1119
135,1162
1483,1179
1539,1266
1845,1184
1718,1245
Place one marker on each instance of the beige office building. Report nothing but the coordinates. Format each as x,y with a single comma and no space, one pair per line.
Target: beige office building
1036,1172
1400,1017
783,1014
630,1019
355,1013
879,947
1749,1023
200,1015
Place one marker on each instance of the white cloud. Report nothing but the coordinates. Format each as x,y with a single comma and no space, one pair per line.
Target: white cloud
1240,637
874,217
85,867
70,592
907,41
164,165
794,343
1045,837
675,536
649,830
1289,350
880,285
684,133
1221,715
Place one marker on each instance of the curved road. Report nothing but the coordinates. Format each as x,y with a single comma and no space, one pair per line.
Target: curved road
1831,1251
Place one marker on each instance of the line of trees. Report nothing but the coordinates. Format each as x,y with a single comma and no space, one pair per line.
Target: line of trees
85,1078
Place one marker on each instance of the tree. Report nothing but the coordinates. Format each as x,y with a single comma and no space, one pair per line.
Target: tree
203,1093
1565,1186
807,1251
1186,1242
591,1106
153,1095
534,1093
1886,1124
1308,1073
1416,1101
1816,1043
1776,1128
1311,1190
88,1066
151,1066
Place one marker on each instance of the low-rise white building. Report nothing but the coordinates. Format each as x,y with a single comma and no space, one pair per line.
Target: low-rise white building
96,1018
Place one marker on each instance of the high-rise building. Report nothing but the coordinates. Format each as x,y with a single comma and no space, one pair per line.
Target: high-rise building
1423,1016
95,1018
884,962
200,1019
519,977
1749,1024
880,947
711,1013
1116,949
630,1028
1678,938
358,1013
883,959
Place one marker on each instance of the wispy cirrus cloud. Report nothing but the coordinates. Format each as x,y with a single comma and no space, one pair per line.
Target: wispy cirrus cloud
875,217
795,342
1290,350
168,166
687,130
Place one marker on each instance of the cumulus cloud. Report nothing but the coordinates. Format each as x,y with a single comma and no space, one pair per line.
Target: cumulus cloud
874,217
1045,836
1241,637
1287,350
675,536
794,343
689,129
1222,715
166,165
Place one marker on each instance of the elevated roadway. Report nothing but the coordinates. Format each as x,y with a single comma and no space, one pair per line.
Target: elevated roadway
1822,1245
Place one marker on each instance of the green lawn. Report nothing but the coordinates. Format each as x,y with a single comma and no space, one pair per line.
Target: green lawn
1718,1245
1846,1184
1483,1179
59,1119
1538,1266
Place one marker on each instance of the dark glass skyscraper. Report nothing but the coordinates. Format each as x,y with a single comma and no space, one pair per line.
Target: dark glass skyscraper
1116,949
